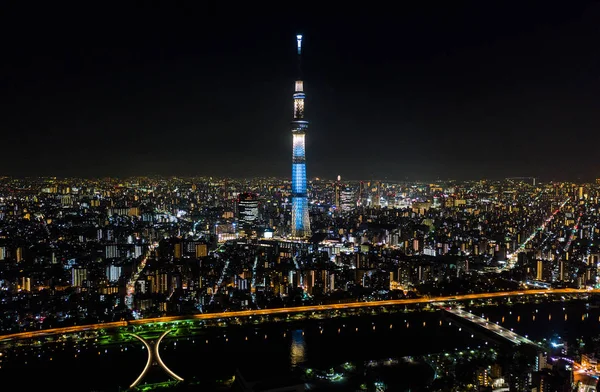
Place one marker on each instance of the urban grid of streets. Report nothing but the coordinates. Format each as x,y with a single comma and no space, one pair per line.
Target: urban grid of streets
193,245
120,253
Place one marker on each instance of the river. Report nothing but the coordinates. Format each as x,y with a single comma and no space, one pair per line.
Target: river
283,349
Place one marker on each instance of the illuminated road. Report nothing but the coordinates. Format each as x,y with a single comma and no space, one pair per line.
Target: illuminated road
153,354
495,328
291,310
253,281
573,233
587,376
148,362
512,258
220,282
159,359
135,276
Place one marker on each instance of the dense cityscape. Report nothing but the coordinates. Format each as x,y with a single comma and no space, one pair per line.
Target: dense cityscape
77,252
317,280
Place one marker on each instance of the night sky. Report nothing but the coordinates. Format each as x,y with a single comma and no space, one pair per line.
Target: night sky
464,90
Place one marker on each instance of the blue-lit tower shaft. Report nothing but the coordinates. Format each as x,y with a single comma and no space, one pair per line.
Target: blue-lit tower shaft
300,217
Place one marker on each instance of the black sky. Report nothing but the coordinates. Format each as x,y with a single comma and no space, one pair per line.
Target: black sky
451,90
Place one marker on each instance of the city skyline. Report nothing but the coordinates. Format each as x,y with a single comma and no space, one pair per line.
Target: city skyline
455,92
94,273
169,221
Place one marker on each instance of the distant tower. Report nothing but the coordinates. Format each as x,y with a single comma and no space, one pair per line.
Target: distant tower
337,194
300,218
377,201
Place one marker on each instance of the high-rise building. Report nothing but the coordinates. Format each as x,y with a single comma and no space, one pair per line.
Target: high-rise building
348,199
247,208
78,276
113,272
377,195
483,377
300,218
111,251
337,194
25,284
201,250
158,282
178,250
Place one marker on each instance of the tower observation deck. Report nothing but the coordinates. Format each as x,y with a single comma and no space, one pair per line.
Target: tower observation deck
299,125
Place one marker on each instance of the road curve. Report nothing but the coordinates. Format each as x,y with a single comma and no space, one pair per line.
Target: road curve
159,359
148,362
298,309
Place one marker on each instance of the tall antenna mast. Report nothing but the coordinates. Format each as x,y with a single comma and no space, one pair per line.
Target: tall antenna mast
299,44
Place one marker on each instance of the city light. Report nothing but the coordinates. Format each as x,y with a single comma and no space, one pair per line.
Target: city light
155,219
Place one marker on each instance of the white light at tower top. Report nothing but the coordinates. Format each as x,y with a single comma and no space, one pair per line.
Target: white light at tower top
299,40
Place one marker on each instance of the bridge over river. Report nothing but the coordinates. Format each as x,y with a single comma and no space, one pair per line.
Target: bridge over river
492,327
291,310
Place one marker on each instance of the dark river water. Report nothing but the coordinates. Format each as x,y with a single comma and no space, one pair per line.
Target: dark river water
271,350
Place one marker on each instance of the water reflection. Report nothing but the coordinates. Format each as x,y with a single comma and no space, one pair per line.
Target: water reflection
298,348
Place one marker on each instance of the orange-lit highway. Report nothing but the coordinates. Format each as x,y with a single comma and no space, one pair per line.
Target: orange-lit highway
299,309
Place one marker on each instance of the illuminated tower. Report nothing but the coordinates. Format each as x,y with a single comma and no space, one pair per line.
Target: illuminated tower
300,219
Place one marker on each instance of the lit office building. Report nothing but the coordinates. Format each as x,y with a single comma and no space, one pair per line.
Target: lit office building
348,199
113,273
78,276
247,208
